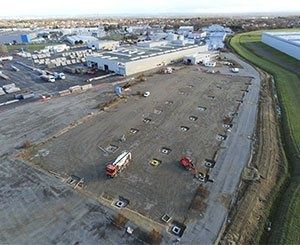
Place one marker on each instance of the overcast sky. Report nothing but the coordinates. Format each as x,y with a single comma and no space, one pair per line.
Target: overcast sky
13,8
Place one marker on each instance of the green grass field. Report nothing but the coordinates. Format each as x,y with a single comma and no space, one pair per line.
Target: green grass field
26,47
286,228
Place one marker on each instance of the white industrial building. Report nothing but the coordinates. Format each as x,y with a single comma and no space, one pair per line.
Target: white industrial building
152,44
286,42
78,39
200,57
18,36
142,29
216,35
106,45
185,30
134,59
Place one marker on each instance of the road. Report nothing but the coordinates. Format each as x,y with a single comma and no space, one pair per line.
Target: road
233,157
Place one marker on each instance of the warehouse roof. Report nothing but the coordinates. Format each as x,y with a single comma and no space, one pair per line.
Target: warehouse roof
5,32
131,53
85,39
291,37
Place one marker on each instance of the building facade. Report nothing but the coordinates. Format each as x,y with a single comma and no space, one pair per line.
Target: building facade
135,59
16,37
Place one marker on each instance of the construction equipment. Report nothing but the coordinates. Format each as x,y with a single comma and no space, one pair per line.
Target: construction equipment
187,163
15,68
235,70
59,75
5,58
4,76
200,174
121,162
48,78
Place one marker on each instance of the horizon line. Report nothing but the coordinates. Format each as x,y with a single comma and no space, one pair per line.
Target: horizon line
162,14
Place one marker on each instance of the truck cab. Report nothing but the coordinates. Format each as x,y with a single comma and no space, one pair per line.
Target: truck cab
111,170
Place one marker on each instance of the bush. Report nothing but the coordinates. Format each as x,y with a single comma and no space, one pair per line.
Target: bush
202,192
120,221
198,204
155,237
26,144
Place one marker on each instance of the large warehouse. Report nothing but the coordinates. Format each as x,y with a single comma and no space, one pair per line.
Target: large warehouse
134,59
286,42
16,37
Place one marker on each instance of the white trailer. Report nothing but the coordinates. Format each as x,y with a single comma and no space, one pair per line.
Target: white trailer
112,169
5,58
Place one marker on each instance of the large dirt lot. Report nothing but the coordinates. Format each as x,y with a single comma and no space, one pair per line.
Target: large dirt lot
40,120
152,191
36,208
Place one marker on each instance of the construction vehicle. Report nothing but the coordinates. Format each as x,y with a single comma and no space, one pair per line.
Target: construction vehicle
60,75
15,68
187,163
4,76
5,58
121,162
48,78
235,70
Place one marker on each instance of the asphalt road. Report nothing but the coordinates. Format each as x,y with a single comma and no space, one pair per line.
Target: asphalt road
232,159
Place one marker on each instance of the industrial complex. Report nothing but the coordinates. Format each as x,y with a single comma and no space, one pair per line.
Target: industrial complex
286,42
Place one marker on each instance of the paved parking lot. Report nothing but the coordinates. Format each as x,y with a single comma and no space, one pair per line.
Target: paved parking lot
29,81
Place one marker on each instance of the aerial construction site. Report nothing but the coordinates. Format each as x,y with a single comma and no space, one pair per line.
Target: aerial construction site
143,142
158,156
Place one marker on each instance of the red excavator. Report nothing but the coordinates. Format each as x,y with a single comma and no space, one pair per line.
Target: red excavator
188,164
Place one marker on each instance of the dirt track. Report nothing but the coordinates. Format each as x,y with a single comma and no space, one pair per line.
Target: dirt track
248,218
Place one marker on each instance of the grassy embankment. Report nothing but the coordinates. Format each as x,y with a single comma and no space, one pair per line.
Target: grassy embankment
286,213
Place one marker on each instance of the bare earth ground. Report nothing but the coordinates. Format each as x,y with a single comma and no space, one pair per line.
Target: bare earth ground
38,209
166,188
39,120
170,133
